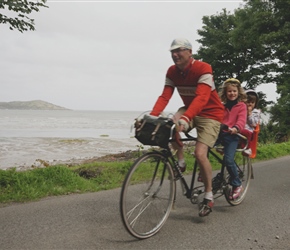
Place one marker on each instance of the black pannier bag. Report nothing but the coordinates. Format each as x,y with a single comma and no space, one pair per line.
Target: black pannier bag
153,131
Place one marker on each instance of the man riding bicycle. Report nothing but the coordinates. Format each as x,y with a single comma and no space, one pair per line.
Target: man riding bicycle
202,109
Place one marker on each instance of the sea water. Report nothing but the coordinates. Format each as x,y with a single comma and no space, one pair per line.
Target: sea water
66,123
51,135
64,135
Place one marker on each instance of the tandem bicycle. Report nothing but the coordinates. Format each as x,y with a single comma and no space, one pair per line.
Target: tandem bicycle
149,190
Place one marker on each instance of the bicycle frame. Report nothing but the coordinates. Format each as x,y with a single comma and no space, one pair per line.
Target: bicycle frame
149,189
191,190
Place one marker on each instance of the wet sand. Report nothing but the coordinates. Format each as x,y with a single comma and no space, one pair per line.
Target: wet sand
26,153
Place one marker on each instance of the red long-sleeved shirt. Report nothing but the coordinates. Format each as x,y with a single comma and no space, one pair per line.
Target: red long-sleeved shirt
197,90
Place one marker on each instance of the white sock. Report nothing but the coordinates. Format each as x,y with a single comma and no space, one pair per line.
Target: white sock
181,163
208,196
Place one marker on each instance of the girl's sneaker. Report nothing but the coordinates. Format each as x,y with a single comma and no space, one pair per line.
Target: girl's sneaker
235,192
248,151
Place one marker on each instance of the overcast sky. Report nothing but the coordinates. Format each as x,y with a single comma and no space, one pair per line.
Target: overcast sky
100,55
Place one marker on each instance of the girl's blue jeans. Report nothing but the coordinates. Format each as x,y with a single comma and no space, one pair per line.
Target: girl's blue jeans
230,143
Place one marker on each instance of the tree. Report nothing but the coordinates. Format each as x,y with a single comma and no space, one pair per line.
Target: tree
280,113
272,24
216,48
252,45
275,35
22,8
233,49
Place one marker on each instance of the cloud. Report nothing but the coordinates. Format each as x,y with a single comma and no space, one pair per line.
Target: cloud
92,55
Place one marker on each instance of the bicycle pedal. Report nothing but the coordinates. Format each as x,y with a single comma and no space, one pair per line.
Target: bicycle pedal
176,176
194,195
194,199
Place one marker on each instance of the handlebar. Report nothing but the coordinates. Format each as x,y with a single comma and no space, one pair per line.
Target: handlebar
175,136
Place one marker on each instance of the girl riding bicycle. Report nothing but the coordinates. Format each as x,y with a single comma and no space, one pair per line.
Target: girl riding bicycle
233,97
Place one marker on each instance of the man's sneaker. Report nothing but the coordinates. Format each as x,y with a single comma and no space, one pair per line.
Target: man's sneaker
235,192
183,168
248,151
205,208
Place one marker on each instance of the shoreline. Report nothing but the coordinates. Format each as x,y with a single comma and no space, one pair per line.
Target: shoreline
29,153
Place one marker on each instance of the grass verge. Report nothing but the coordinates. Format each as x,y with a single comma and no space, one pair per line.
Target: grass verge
16,186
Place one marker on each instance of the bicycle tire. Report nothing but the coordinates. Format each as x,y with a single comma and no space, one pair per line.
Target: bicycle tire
147,195
245,171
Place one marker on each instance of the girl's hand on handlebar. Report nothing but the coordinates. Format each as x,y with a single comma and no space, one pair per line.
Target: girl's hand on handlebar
233,130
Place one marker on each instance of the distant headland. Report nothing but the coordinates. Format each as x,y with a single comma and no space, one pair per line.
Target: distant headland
30,105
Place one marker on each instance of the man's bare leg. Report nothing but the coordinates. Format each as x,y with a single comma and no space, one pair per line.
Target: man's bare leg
180,156
206,173
205,166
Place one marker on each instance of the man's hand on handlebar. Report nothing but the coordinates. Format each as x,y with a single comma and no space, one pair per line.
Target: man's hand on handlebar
182,126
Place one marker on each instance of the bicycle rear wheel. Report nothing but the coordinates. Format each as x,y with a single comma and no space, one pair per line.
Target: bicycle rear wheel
245,170
147,195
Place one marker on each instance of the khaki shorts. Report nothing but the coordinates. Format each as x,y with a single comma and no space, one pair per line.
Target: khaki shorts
207,129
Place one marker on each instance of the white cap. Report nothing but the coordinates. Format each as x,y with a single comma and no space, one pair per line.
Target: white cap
180,43
251,91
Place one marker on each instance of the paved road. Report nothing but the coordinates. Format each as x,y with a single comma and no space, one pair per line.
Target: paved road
92,221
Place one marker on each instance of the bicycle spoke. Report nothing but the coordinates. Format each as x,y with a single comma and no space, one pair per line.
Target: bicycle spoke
144,212
244,170
138,214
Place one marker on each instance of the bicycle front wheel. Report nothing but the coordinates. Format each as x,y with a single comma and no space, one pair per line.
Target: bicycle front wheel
147,195
244,166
